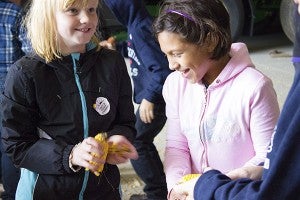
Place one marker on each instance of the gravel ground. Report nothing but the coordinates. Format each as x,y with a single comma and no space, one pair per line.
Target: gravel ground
131,184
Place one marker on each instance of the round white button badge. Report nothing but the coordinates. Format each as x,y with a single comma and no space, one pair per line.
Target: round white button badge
102,105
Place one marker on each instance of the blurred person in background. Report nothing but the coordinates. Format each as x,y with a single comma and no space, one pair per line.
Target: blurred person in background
13,45
149,69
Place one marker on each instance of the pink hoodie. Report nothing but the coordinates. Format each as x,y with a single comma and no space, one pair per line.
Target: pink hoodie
225,126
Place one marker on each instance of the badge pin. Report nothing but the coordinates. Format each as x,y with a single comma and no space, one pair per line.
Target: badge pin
102,105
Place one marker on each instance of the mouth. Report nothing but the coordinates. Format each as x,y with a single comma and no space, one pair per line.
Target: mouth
84,30
185,73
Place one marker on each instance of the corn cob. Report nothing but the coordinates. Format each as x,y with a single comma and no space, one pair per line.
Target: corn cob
101,138
188,177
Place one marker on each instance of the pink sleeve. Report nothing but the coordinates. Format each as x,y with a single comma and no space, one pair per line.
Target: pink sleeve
264,115
177,156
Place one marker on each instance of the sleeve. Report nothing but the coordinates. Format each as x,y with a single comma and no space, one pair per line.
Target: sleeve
125,117
177,156
215,185
122,48
20,138
264,115
153,59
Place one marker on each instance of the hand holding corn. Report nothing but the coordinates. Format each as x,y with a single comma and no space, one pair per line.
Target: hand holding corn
93,152
101,138
185,187
120,150
117,149
89,154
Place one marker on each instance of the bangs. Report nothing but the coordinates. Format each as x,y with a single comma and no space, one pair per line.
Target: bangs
69,3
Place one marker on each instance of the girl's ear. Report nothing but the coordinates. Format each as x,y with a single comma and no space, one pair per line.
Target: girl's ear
211,43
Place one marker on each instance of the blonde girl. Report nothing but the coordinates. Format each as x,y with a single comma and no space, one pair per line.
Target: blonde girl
58,98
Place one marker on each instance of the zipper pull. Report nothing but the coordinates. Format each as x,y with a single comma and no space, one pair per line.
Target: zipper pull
78,71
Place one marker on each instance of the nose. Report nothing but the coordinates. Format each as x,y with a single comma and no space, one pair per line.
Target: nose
84,17
173,65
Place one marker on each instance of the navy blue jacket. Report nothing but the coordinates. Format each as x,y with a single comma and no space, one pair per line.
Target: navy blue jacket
281,179
149,66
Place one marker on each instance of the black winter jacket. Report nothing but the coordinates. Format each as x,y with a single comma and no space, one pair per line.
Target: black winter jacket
48,108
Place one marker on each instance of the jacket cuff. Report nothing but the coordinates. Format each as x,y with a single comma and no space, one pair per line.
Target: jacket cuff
66,156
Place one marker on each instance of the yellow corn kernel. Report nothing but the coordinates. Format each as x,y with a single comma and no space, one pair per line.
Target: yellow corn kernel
107,148
101,139
188,177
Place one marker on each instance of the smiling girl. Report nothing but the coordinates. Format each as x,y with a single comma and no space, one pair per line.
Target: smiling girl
57,99
221,111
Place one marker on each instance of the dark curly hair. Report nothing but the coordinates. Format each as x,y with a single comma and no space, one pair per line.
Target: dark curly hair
200,22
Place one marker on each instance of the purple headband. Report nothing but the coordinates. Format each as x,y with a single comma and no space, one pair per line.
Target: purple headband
181,14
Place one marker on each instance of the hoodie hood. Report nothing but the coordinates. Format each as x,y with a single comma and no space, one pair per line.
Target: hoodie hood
127,11
240,60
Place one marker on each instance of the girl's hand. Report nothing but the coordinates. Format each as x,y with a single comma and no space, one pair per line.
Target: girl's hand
252,172
110,43
146,110
183,190
87,154
124,150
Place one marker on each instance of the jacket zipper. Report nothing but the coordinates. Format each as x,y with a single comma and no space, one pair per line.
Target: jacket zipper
204,162
75,57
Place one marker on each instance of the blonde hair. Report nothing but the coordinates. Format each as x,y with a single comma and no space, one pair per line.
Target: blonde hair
42,28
